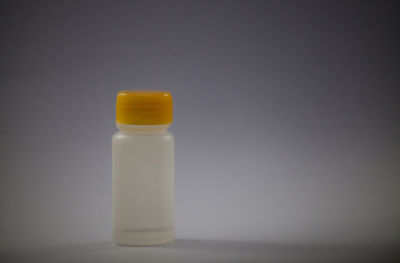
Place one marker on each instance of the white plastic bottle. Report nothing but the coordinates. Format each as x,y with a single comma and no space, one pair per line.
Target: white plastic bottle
143,169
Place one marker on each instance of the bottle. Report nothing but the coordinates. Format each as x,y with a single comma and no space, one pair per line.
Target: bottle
143,169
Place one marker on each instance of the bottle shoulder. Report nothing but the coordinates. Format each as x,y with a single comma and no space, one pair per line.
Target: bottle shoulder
126,137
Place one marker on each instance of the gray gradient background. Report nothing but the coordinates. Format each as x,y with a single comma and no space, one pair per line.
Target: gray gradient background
286,117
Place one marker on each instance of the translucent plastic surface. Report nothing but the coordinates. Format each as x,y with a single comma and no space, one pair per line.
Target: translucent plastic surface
143,185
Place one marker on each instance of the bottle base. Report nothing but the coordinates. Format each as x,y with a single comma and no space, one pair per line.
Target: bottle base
144,244
141,238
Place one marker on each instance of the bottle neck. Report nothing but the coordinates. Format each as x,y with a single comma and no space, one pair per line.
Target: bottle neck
143,129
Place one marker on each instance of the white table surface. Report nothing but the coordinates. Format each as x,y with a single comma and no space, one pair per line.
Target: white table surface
186,250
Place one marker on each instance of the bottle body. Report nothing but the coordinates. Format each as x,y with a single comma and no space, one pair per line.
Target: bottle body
143,185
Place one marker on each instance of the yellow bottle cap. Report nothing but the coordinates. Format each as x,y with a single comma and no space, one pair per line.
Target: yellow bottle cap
144,107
